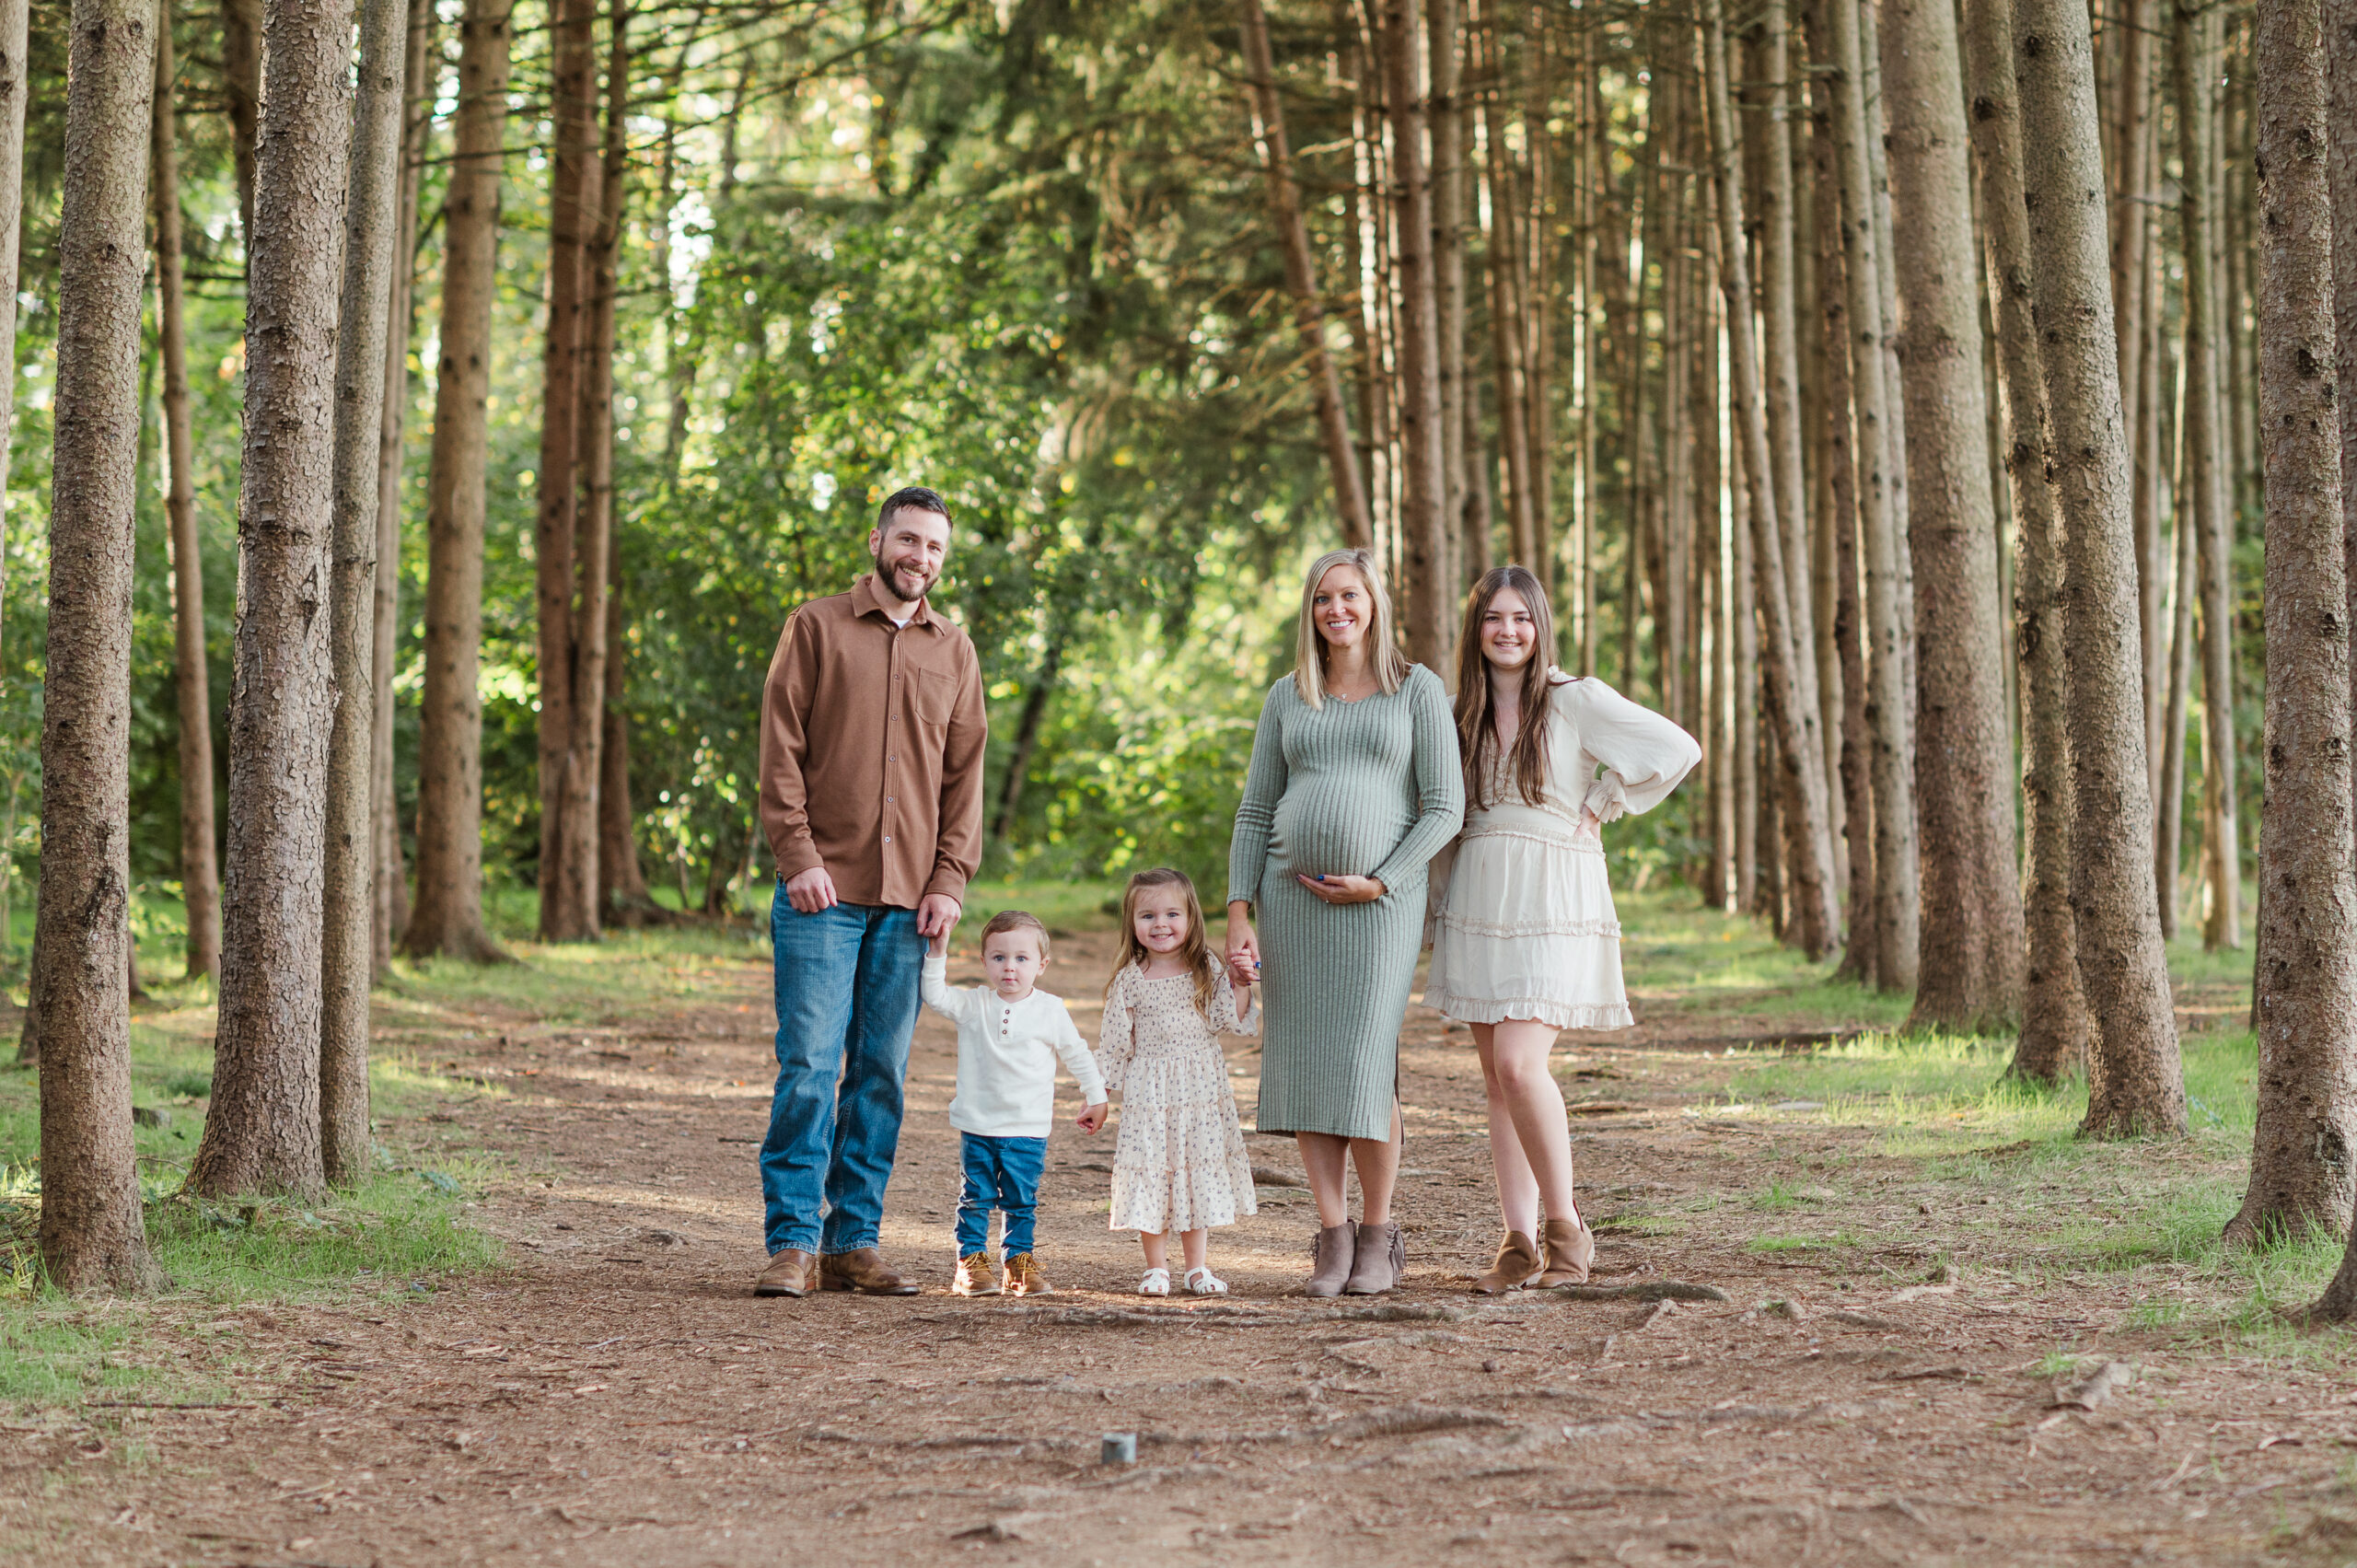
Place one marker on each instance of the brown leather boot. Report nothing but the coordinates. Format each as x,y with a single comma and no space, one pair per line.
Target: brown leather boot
1024,1277
975,1276
790,1273
1329,1259
1571,1247
1379,1258
861,1270
1518,1259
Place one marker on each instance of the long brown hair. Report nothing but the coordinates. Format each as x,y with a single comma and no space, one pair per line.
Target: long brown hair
1195,952
1477,730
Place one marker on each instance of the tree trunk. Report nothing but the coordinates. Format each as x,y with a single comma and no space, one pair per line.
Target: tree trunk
2300,1175
242,82
574,201
15,31
448,914
2215,343
1856,762
1505,302
1900,481
1444,37
92,1234
1779,313
1424,534
1301,279
577,843
2135,1086
346,962
2053,1040
1536,287
2169,854
1800,759
2339,23
620,878
391,891
1970,973
200,870
2131,223
1897,912
263,1131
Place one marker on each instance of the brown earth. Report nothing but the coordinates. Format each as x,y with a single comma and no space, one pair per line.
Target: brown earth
620,1397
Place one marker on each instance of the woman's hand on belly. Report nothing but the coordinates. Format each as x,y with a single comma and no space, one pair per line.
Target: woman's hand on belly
1342,889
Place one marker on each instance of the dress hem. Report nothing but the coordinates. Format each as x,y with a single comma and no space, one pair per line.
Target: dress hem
1533,1009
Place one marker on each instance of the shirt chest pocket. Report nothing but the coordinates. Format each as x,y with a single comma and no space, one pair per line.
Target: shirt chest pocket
935,696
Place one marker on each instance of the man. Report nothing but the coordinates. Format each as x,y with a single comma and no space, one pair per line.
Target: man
872,735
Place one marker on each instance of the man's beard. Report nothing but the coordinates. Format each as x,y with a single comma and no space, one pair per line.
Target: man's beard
908,581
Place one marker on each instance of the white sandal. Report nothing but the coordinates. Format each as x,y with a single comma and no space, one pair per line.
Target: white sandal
1156,1283
1202,1282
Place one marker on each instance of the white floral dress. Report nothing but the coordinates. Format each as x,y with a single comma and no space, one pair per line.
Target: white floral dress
1180,1164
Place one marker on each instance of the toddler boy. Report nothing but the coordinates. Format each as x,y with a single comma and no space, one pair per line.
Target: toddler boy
1009,1036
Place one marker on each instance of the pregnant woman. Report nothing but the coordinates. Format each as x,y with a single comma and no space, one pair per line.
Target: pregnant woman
1354,785
1526,942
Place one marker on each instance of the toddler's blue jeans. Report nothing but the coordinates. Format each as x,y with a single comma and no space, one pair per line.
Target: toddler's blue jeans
1002,1174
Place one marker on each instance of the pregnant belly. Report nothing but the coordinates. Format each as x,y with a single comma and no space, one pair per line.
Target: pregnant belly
1321,834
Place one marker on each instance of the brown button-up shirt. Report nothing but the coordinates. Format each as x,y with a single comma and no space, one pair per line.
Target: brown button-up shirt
872,741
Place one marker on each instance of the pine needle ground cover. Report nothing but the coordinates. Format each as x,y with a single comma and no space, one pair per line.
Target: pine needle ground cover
1933,1324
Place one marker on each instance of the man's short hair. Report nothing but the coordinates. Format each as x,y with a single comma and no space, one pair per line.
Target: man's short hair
1005,920
914,498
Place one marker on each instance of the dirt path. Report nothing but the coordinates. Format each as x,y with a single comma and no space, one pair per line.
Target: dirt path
620,1397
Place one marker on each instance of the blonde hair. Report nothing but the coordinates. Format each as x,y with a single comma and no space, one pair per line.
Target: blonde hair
1005,920
1309,648
1195,952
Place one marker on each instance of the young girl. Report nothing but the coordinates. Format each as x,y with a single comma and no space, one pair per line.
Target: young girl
1180,1164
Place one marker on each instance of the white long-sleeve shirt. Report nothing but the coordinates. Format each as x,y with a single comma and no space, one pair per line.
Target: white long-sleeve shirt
1006,1056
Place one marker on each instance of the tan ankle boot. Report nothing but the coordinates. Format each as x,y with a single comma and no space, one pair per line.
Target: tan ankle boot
1571,1247
1518,1259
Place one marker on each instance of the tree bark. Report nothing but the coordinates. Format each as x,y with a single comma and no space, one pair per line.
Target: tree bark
1507,344
1301,279
1970,976
1800,759
2340,24
447,918
241,83
370,232
1424,534
2306,980
574,201
1779,313
1856,759
1897,911
2169,854
15,31
2135,1085
263,1131
2215,343
577,846
2053,1040
1444,37
200,869
92,1234
620,878
391,889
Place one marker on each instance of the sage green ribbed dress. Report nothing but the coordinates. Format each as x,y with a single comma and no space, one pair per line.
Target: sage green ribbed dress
1370,788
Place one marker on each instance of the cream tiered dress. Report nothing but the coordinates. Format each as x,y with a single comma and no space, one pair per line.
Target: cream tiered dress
1180,1164
1523,924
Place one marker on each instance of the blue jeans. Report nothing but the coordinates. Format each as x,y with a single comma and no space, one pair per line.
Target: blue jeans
1002,1174
846,1006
